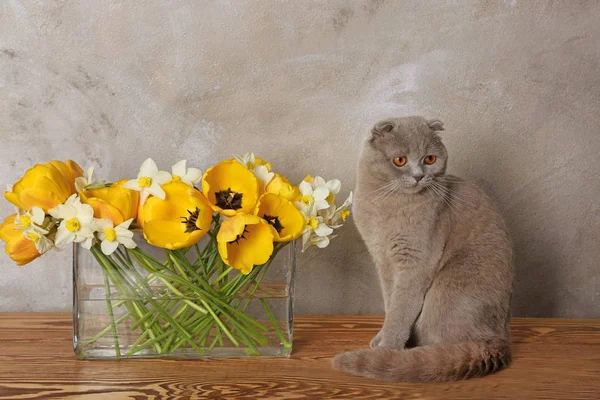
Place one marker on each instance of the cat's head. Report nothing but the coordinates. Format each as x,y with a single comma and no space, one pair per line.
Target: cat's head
406,152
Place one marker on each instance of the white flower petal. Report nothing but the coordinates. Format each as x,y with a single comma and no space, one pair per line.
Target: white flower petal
323,230
127,242
87,243
305,188
334,186
37,215
193,175
162,177
74,198
63,236
321,204
143,197
179,168
109,247
9,188
80,184
320,193
306,237
263,174
318,182
148,169
125,224
43,244
156,191
322,242
102,224
123,232
133,184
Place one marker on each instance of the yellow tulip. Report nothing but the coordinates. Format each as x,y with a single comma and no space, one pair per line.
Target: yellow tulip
245,241
281,186
18,247
114,202
283,215
45,185
180,220
230,188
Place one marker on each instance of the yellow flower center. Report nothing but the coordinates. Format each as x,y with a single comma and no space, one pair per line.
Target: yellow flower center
145,182
309,179
73,225
307,199
345,214
176,178
330,199
110,234
25,221
34,237
313,223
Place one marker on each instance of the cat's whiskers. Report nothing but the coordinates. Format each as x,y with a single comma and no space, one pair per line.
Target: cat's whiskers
384,187
452,195
388,192
443,197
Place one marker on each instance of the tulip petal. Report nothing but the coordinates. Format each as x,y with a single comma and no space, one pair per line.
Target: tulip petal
170,234
105,210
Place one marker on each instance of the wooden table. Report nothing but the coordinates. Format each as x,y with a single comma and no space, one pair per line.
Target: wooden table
553,359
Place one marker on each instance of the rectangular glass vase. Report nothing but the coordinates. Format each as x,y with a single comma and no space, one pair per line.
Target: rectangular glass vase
128,308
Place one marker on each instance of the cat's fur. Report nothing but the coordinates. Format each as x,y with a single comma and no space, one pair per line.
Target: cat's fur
444,260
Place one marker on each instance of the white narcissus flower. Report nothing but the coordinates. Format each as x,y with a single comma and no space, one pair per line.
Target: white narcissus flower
42,243
189,176
313,196
263,174
149,181
341,213
31,220
261,170
316,232
111,236
247,160
77,222
82,182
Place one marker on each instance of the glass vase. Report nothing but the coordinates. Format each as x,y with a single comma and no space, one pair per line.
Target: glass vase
125,306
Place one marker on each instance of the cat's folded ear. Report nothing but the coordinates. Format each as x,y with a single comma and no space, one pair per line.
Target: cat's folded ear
435,124
381,128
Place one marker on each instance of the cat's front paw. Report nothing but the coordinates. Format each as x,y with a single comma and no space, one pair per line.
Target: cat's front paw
390,342
376,340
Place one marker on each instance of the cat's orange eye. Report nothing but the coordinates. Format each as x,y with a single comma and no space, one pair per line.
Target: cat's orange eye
430,159
399,161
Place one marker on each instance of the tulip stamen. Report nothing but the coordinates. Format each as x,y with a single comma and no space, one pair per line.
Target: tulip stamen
273,220
237,239
190,222
228,199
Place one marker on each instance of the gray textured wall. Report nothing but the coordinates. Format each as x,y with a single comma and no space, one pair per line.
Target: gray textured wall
516,83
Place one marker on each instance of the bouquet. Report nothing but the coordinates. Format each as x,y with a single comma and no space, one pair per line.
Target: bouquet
218,234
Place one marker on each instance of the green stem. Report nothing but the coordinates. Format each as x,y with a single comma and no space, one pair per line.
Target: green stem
112,316
283,339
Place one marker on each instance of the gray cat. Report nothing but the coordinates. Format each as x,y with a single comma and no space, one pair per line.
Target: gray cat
444,261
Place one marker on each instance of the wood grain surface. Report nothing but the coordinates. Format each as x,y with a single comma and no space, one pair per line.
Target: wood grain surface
553,359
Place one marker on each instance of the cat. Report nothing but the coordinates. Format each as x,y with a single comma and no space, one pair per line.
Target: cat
443,256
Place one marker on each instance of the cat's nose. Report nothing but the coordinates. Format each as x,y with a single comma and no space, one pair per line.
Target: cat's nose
418,177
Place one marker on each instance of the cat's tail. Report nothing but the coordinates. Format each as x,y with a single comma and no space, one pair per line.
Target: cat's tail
436,363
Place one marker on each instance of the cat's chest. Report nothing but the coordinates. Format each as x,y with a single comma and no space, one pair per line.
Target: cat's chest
380,223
